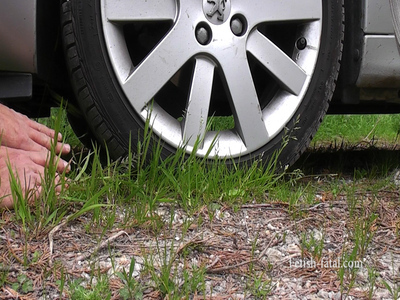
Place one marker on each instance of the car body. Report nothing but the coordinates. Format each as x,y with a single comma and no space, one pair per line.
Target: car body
31,58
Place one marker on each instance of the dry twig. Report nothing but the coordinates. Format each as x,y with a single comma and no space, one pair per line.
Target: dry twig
51,241
102,245
227,268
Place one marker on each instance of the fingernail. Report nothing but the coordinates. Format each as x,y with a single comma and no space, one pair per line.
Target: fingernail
67,147
59,136
67,166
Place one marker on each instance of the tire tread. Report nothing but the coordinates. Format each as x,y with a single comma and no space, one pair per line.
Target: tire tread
78,77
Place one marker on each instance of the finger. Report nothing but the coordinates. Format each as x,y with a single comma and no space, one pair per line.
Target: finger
7,202
62,165
47,142
42,159
64,183
41,139
59,185
44,129
62,148
58,188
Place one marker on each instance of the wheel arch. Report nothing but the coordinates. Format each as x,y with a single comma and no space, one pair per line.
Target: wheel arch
31,56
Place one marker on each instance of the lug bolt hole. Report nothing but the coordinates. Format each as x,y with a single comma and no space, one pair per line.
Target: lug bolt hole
203,34
238,25
301,43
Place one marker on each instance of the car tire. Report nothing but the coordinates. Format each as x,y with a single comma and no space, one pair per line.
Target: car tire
269,69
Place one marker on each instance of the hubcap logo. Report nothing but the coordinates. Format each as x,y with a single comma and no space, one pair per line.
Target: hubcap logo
219,7
217,11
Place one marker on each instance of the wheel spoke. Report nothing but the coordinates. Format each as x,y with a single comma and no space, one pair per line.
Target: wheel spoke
139,10
247,111
281,66
195,121
282,10
156,69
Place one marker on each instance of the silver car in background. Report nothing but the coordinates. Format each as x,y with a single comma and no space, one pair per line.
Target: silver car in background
223,78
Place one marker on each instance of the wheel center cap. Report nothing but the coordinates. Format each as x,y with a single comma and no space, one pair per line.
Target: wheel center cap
217,11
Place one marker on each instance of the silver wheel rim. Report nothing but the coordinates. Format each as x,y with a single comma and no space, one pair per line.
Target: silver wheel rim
216,37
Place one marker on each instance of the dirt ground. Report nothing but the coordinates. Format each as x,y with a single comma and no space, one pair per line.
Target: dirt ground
256,251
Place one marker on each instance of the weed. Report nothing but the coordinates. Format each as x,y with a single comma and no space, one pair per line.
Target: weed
260,287
3,275
394,287
347,276
78,290
21,206
131,289
372,275
393,290
24,284
193,282
363,233
164,278
361,236
314,245
61,282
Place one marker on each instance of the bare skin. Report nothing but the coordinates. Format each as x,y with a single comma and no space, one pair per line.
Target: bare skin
25,145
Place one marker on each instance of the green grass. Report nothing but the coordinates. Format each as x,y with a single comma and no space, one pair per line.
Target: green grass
221,123
58,117
140,183
126,195
359,128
